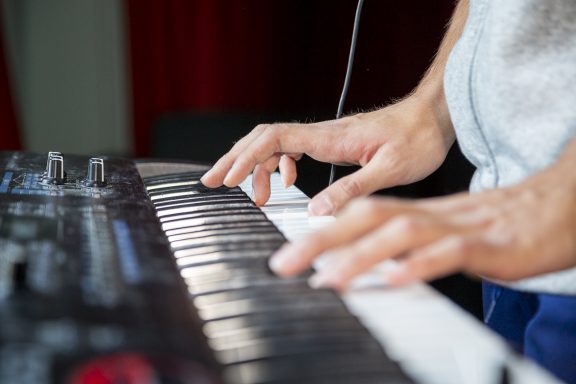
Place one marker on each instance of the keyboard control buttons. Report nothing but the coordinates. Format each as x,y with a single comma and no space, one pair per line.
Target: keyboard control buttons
54,169
95,176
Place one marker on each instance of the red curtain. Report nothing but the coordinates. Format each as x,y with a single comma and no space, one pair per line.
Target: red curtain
279,56
9,137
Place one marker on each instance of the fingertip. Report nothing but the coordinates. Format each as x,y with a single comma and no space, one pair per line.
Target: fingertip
321,205
287,170
259,201
399,275
261,194
286,261
319,280
260,186
205,180
214,177
228,181
208,180
280,263
286,180
235,175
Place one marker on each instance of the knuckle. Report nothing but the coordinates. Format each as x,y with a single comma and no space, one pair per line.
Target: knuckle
505,275
248,158
406,224
363,259
420,264
350,187
460,245
269,137
365,207
465,252
315,242
261,128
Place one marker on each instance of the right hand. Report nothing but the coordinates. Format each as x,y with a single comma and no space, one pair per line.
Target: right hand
396,145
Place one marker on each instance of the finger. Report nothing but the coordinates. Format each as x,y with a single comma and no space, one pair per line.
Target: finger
288,171
465,202
261,180
399,236
462,209
359,218
444,257
332,199
277,139
215,176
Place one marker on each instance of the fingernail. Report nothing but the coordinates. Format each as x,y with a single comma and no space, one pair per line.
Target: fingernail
320,280
284,181
230,175
397,275
280,261
205,176
226,181
321,206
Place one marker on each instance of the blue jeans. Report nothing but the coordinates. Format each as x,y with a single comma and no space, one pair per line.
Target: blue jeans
541,326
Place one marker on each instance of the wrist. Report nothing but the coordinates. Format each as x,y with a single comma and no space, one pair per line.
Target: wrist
430,105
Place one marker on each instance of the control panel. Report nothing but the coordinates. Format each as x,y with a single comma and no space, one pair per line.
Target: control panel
88,287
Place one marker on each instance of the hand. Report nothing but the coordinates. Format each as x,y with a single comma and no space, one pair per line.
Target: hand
504,234
398,144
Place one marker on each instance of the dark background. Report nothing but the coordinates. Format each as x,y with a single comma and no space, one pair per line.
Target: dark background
202,73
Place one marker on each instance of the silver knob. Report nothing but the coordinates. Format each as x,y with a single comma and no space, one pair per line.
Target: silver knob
95,175
50,154
55,169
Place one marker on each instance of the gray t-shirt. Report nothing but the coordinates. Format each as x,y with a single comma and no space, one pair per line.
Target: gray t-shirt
510,84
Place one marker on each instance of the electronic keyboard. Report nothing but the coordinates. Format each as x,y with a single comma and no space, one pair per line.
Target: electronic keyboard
113,271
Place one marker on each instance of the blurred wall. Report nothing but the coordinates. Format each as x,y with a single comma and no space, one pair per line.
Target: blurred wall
68,69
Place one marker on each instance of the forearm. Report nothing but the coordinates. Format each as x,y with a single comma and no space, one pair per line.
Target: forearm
431,85
566,162
560,176
430,90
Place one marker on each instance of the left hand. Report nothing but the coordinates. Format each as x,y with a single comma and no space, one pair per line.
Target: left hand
504,234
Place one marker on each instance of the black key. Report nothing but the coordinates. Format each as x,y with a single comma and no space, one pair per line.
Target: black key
195,200
269,292
173,184
186,263
221,327
204,207
272,329
193,175
234,231
330,368
261,305
252,264
253,223
167,195
270,245
242,283
298,345
197,188
223,219
227,239
211,213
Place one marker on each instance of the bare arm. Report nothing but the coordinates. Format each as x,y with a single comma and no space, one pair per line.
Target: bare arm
504,234
399,144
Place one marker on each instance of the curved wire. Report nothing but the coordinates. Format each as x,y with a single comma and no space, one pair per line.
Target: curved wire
348,75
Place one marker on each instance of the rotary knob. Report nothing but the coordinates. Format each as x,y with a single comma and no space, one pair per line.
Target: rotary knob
50,154
95,176
54,169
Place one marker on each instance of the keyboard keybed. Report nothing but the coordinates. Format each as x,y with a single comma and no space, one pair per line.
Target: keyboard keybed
261,328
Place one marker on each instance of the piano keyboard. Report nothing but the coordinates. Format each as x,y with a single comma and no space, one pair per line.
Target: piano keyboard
266,329
262,329
116,281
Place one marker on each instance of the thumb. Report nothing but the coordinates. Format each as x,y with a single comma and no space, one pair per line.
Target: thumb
332,199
